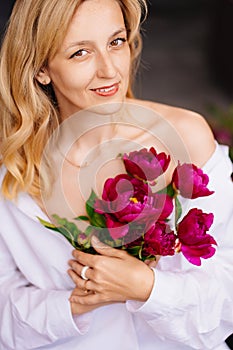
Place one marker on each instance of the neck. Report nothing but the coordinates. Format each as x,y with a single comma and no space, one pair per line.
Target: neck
84,133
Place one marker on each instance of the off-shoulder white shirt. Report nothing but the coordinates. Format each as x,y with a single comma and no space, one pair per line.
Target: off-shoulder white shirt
189,307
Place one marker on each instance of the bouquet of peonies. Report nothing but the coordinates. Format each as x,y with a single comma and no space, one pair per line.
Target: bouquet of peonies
146,223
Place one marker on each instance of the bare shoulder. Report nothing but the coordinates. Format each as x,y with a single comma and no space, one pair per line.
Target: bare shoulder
192,128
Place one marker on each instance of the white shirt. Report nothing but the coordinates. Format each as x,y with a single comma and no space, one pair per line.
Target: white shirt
189,307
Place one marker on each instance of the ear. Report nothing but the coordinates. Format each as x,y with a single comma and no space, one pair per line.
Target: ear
43,77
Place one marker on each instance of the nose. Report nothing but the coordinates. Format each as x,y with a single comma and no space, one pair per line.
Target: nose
105,65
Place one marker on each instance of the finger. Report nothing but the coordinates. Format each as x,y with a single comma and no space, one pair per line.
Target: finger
84,258
76,298
91,299
78,281
149,262
104,249
80,292
81,283
152,263
77,267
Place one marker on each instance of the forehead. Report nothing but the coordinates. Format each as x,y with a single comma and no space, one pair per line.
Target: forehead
94,18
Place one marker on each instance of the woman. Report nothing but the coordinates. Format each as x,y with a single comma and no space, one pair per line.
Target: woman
62,58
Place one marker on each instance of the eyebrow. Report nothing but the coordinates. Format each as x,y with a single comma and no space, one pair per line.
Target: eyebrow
85,42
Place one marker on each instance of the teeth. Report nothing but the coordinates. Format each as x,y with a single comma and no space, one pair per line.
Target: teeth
106,89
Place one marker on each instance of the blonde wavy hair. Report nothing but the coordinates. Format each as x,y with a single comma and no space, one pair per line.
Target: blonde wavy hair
29,114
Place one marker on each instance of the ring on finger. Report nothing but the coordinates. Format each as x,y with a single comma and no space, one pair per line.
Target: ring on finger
83,272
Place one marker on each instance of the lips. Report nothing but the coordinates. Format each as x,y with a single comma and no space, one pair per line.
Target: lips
107,90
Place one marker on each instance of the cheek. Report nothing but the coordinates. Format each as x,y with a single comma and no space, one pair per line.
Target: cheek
68,81
125,63
80,76
67,77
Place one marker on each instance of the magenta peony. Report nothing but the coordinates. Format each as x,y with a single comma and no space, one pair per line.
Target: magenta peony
159,240
146,164
133,216
190,181
126,200
195,243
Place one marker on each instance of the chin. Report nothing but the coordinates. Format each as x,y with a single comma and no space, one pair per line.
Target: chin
107,108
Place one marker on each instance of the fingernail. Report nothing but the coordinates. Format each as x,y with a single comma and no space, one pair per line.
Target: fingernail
75,253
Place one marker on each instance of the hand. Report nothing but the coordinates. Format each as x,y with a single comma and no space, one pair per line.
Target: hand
113,276
152,263
79,309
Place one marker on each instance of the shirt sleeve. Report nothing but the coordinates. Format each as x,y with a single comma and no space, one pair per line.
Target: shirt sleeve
194,305
31,317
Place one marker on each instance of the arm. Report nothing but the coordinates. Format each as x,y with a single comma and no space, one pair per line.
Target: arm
186,304
194,305
31,317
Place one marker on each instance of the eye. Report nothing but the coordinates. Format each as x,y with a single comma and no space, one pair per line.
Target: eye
118,42
79,53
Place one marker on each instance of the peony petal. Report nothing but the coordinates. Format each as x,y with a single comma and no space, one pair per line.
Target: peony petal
146,164
191,181
116,229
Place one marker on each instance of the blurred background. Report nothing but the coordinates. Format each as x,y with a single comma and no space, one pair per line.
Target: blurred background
187,60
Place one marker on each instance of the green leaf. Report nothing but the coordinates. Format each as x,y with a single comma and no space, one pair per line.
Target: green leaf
86,243
65,233
178,210
68,229
89,231
170,191
118,242
98,220
140,253
71,232
46,224
90,204
82,218
70,226
111,243
149,257
135,251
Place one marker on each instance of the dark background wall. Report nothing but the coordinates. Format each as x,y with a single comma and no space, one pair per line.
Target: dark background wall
187,58
188,53
5,10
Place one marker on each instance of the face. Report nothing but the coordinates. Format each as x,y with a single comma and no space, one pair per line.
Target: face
92,65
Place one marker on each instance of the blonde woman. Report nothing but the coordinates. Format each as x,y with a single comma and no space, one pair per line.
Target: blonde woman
72,63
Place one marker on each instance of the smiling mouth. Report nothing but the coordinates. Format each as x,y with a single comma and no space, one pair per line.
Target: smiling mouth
107,90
